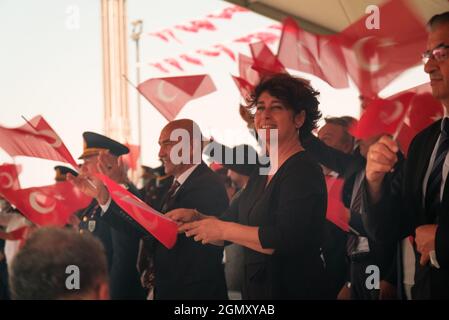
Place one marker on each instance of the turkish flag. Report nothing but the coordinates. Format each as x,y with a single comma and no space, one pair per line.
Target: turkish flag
265,62
246,71
132,157
9,177
162,228
17,234
375,56
244,87
382,116
336,213
314,54
405,137
170,95
49,205
35,139
424,111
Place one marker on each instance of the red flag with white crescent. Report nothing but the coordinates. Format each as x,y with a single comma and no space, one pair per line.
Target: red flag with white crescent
382,116
319,55
9,177
170,95
336,213
424,111
49,205
35,139
376,55
162,228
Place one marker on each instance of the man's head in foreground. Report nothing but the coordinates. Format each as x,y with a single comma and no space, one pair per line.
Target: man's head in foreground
59,264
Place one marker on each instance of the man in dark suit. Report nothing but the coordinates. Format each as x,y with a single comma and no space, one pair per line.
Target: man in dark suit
189,270
102,153
411,204
335,134
360,249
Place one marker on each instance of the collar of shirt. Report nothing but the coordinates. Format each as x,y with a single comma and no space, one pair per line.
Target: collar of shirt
183,176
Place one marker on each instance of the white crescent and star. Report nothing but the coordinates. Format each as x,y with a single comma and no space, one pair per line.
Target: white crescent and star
358,50
395,115
36,206
10,182
50,134
162,95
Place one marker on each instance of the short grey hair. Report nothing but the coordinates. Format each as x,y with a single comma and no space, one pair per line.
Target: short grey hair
38,271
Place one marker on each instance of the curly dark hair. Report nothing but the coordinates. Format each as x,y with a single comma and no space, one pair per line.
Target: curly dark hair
295,93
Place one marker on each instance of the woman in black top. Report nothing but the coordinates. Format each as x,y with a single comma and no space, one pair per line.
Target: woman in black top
279,217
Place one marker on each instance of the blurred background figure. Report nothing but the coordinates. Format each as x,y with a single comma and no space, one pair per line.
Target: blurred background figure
10,220
155,184
223,174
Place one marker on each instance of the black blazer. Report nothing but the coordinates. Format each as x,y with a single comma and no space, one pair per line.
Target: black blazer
349,166
401,211
290,214
190,270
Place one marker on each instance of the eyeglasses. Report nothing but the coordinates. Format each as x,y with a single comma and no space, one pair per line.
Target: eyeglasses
439,53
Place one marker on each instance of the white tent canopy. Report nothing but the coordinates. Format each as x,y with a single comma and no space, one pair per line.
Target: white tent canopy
331,15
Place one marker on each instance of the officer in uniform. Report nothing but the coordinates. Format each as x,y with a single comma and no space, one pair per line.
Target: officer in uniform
121,249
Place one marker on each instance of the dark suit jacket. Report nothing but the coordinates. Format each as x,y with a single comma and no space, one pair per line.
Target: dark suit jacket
290,214
189,270
348,166
401,211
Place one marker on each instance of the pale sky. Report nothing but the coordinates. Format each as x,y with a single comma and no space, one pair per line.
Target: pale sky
51,65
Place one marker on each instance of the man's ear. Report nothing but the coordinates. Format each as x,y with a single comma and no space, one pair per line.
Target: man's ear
299,119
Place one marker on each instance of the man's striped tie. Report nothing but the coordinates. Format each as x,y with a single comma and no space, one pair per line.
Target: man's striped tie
432,198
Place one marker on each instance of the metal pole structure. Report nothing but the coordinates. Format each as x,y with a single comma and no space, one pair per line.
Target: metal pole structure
115,64
136,32
135,35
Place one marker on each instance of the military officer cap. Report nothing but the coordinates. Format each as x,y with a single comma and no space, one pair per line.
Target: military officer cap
94,143
61,172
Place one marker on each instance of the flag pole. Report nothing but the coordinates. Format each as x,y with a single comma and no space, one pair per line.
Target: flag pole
129,82
29,123
135,35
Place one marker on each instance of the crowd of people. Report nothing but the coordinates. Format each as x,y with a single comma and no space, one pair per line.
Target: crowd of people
244,234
